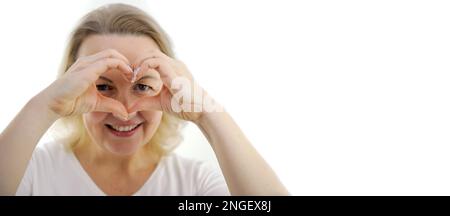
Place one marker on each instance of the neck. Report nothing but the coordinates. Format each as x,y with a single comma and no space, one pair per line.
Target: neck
92,154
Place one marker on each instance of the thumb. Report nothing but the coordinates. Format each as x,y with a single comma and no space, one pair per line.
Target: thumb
146,103
106,104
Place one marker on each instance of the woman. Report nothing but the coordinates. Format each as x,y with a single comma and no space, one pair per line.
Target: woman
122,96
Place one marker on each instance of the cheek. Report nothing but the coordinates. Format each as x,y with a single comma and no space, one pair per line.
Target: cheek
93,121
152,121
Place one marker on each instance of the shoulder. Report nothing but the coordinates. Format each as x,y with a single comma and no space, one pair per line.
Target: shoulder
51,151
48,164
51,157
202,176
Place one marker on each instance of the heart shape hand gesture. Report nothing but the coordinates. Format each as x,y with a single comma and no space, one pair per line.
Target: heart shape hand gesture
178,94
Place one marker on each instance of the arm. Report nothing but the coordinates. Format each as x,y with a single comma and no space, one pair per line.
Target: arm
18,141
245,171
72,94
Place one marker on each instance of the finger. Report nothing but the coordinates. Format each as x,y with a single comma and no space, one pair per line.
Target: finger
179,67
146,72
106,104
183,70
91,73
148,103
107,53
135,74
165,71
155,53
138,65
103,65
152,79
86,61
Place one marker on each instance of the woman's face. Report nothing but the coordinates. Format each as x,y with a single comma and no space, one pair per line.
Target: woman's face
105,130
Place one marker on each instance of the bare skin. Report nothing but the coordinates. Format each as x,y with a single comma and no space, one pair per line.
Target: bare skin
119,169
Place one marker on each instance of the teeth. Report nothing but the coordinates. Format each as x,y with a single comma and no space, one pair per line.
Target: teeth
124,128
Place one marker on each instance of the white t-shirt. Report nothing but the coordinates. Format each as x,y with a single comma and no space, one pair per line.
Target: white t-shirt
54,170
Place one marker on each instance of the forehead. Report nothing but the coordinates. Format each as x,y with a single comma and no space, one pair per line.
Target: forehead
131,46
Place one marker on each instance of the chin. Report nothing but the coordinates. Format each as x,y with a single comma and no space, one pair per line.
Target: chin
122,148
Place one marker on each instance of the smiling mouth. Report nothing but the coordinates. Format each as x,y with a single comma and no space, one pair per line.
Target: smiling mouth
123,131
123,128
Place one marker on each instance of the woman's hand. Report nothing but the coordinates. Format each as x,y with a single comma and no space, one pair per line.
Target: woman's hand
179,94
75,92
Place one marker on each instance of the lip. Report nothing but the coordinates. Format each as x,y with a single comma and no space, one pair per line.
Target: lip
123,133
124,123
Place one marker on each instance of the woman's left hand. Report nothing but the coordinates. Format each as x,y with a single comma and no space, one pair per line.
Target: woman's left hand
179,94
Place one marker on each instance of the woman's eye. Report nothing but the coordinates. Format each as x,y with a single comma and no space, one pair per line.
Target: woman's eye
142,87
103,87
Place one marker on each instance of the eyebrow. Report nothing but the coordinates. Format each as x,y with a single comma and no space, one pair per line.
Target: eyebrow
106,79
147,77
144,77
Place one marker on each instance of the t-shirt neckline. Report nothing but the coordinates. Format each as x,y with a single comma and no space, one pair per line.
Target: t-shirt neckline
85,176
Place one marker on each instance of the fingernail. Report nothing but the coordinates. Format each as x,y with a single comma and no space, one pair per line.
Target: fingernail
135,72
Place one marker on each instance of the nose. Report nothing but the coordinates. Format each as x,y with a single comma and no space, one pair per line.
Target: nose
128,100
130,116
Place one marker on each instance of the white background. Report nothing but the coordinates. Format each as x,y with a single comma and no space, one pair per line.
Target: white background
340,97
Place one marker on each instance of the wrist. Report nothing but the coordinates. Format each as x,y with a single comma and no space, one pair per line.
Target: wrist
211,110
41,105
206,119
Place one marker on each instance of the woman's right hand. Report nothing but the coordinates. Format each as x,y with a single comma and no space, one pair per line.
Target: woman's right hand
75,92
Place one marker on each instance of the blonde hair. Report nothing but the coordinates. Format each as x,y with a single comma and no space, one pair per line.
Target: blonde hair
117,19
